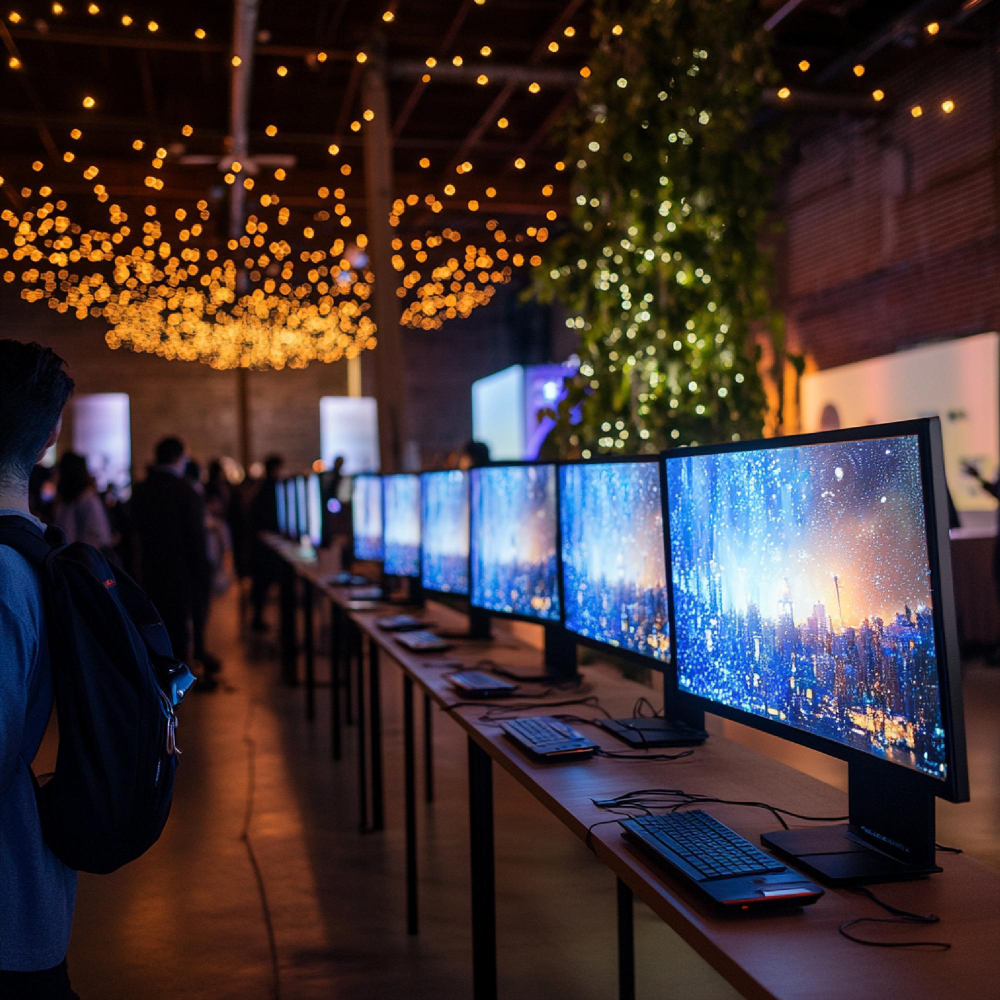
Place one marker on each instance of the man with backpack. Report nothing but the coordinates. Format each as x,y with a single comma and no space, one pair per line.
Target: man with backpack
37,890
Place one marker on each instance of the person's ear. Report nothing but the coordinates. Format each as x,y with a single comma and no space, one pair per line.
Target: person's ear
53,437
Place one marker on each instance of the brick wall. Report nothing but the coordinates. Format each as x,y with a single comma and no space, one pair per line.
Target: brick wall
892,224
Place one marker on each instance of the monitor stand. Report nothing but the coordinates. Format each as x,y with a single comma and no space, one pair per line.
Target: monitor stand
684,727
558,657
412,595
889,835
479,626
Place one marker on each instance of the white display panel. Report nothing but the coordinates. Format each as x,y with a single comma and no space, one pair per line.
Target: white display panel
102,433
348,427
957,380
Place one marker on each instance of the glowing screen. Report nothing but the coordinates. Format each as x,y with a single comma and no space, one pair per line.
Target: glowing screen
802,592
613,559
366,518
402,525
444,531
513,542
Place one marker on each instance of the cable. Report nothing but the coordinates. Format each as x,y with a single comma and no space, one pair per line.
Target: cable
258,874
899,916
948,850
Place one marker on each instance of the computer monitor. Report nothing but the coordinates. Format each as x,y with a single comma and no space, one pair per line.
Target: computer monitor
811,598
401,504
444,532
514,552
314,509
366,517
279,490
301,506
614,567
291,509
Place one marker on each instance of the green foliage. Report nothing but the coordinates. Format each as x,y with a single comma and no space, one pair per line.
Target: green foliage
663,270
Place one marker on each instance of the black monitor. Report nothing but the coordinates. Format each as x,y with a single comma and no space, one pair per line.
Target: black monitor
314,509
291,509
366,517
401,510
811,598
514,551
301,507
444,532
614,576
279,490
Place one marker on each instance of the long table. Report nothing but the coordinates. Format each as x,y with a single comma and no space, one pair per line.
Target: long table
793,955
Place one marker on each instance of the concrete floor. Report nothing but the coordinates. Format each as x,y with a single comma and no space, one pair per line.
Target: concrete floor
186,921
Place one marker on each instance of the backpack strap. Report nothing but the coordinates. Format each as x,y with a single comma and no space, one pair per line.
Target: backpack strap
25,538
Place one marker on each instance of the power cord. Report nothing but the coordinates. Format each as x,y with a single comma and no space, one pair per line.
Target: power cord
899,916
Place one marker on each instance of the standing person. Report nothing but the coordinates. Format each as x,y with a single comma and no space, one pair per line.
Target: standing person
266,564
77,509
37,891
169,520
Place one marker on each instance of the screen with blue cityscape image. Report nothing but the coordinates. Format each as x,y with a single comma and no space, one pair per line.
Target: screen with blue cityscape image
402,525
614,565
802,592
513,543
444,531
366,517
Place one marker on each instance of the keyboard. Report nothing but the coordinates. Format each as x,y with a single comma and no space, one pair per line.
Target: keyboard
346,580
422,641
547,738
478,684
399,623
719,862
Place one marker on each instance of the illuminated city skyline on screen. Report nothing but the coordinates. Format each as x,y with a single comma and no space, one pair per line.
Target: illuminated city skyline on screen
613,559
401,505
366,517
444,531
802,592
513,543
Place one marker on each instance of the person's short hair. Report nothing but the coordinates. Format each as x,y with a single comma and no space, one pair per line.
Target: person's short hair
478,452
34,387
272,464
169,450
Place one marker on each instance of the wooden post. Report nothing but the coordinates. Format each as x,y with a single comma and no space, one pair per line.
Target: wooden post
388,355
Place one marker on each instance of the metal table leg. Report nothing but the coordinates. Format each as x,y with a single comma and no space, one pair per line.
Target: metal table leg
335,651
308,628
362,748
428,751
626,943
349,642
409,769
375,724
484,930
287,639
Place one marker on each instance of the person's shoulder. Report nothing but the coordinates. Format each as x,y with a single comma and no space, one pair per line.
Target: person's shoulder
20,588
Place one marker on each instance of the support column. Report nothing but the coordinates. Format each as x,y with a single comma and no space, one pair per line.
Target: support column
388,355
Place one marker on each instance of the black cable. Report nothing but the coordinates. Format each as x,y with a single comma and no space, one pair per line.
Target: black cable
899,916
948,850
258,874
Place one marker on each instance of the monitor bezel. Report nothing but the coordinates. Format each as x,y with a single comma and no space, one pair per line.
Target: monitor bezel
420,552
927,430
510,615
291,509
619,652
431,591
354,482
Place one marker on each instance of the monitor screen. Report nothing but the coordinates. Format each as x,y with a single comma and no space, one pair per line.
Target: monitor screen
402,525
803,594
514,562
613,558
291,509
302,506
366,517
444,531
279,489
314,509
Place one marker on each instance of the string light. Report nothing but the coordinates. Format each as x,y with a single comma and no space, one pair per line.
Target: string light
534,87
859,70
362,57
933,28
916,111
200,34
948,106
804,65
784,93
127,20
502,123
89,102
878,94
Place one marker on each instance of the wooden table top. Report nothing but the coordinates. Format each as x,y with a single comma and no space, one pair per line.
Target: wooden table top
801,956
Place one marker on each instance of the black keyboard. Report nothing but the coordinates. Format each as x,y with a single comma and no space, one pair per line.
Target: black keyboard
707,845
544,736
475,682
399,623
422,641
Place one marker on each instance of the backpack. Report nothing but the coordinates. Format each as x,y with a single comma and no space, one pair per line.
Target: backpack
116,685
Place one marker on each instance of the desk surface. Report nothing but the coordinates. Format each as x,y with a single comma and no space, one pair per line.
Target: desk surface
801,956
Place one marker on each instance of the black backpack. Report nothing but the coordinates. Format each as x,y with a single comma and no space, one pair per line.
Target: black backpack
116,685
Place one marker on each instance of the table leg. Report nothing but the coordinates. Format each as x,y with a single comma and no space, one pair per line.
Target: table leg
286,625
409,769
428,751
308,628
349,643
626,943
335,651
375,725
484,930
362,748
